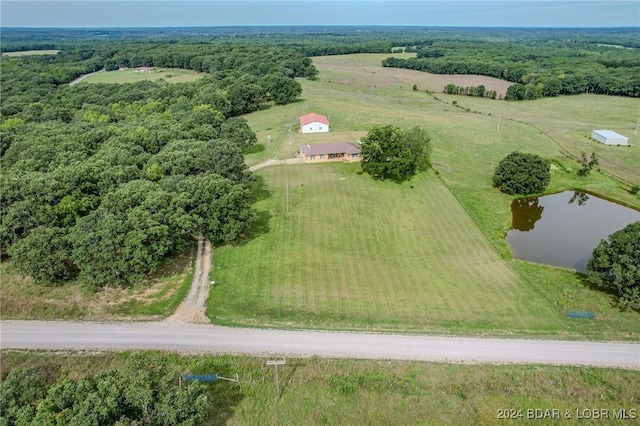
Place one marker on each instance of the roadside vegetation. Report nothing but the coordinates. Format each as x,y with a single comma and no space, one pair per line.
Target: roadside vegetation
321,391
153,298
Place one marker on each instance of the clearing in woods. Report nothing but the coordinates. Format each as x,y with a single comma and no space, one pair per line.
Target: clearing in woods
31,52
131,75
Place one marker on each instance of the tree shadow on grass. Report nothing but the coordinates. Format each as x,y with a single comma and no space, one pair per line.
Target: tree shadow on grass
254,149
259,189
259,227
610,293
224,397
287,374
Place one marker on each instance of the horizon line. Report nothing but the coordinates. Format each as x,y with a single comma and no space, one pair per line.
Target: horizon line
317,25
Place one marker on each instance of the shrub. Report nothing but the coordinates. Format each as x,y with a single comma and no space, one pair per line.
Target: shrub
522,173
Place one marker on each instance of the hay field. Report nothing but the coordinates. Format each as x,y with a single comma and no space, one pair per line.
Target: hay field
365,69
392,267
172,75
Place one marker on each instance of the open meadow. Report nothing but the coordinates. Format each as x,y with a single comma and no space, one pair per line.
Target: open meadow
428,255
130,75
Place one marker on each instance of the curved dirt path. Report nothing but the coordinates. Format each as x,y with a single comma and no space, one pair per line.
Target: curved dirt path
274,162
83,76
192,309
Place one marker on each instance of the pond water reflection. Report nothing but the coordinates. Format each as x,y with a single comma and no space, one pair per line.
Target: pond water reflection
563,229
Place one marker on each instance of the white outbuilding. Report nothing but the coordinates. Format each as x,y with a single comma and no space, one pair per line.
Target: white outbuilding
314,123
609,137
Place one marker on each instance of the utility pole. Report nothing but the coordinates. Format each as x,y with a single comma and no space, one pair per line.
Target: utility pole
276,363
637,123
499,117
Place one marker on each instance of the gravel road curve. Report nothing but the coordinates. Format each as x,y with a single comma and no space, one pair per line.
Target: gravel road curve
206,338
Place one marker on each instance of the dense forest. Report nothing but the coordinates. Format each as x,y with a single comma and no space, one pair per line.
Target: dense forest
102,181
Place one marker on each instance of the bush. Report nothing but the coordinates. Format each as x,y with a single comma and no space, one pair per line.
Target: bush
614,266
522,173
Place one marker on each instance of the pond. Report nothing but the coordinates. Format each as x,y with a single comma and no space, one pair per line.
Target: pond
563,229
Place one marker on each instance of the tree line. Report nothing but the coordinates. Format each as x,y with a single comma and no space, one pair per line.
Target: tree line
479,91
538,68
101,182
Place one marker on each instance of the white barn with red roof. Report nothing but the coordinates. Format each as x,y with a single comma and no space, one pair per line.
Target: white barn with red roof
314,123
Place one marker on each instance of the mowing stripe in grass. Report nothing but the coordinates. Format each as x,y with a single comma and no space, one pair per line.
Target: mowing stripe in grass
355,253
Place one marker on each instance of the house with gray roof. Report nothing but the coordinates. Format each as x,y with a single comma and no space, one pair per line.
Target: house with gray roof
335,151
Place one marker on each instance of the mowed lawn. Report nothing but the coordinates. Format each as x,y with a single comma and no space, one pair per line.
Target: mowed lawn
172,75
355,253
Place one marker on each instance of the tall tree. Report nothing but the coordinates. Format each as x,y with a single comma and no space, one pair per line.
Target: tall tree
522,173
614,266
389,152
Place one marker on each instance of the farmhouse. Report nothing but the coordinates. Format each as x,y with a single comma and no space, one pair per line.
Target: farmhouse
314,123
337,151
609,137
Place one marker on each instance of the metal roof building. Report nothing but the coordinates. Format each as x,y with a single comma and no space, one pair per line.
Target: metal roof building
609,137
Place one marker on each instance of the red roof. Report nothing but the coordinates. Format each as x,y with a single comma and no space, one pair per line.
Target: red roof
330,148
312,118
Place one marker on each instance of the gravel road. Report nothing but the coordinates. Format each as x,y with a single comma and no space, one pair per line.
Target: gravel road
203,338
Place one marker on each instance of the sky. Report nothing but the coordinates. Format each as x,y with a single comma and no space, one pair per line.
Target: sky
204,13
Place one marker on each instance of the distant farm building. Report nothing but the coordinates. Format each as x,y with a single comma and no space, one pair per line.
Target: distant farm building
144,69
337,151
609,137
314,123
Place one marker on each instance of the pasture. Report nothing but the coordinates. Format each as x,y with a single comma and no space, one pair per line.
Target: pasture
353,253
130,75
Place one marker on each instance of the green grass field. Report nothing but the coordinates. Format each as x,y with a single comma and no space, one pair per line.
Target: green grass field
172,75
31,52
357,392
352,253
